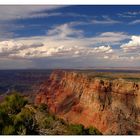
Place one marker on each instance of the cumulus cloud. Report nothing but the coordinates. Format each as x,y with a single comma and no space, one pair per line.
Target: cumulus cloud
63,41
36,48
8,46
103,49
44,52
13,46
44,47
13,50
106,57
133,45
66,42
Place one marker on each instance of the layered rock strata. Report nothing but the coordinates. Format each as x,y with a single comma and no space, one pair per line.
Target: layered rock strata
112,106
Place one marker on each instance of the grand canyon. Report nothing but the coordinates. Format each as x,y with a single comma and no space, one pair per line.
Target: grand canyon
73,101
69,69
112,106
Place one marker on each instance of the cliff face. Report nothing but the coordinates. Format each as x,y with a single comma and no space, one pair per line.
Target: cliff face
112,106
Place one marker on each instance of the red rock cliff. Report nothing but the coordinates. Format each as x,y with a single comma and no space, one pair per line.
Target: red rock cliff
112,106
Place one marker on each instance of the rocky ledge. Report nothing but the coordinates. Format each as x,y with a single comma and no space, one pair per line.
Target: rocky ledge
112,106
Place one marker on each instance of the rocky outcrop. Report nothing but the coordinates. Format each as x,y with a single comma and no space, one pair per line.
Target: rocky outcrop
112,106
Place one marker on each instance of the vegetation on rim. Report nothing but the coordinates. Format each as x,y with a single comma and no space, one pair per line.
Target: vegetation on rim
18,117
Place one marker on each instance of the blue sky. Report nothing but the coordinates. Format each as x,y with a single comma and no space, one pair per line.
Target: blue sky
51,36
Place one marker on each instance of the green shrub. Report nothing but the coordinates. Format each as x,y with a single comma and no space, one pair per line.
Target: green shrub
15,118
8,130
77,129
4,120
93,131
61,121
21,130
43,107
13,103
25,122
47,122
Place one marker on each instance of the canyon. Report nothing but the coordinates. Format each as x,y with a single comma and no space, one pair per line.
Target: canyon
110,105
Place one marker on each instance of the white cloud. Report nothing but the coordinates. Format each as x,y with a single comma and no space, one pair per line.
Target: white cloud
43,47
133,12
105,20
8,15
64,31
103,49
129,14
40,15
12,13
65,42
133,45
13,46
23,11
135,21
111,38
45,51
67,31
114,34
106,57
62,41
24,49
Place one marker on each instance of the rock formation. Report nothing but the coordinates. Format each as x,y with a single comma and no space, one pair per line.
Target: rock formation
112,106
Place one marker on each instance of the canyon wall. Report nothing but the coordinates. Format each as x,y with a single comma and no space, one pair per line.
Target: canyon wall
112,106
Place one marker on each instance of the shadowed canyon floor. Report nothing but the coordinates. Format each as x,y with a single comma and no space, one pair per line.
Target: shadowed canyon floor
108,101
